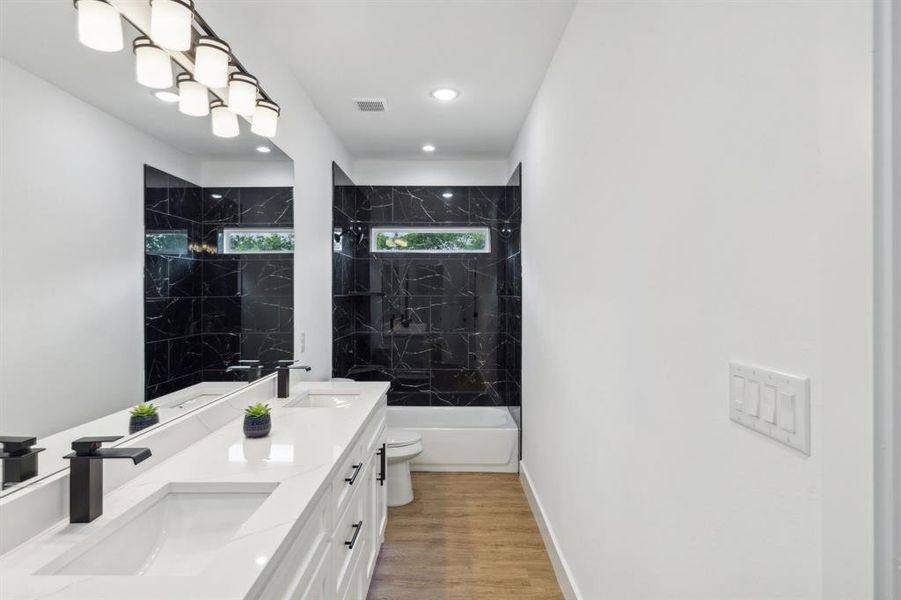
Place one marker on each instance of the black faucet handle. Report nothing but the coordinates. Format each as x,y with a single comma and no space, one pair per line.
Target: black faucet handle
292,364
20,440
86,446
17,445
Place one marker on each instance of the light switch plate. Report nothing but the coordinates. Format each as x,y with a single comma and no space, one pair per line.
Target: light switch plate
778,393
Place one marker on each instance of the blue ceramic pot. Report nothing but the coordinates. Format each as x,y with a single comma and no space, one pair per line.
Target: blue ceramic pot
136,424
255,427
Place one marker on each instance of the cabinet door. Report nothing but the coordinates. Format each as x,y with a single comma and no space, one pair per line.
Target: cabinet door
372,542
381,494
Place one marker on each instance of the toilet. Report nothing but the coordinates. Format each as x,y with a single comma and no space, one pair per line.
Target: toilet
403,446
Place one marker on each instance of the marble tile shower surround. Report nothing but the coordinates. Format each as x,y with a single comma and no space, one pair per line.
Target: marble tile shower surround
443,328
204,310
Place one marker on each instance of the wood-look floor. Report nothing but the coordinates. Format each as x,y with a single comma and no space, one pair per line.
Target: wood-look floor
465,536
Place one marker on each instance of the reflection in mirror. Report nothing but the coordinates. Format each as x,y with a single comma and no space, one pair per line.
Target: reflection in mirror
146,266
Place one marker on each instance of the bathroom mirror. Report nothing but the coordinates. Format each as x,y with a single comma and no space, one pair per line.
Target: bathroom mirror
141,257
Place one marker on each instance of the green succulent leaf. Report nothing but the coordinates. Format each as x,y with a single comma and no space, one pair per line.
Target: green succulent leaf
144,409
257,410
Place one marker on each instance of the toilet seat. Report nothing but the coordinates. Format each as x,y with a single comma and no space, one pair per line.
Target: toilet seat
399,438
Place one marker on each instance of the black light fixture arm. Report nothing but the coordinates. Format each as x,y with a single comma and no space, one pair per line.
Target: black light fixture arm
199,23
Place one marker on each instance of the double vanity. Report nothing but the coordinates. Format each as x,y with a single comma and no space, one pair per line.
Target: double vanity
214,515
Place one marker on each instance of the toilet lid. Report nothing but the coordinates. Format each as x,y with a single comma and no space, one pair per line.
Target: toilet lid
402,437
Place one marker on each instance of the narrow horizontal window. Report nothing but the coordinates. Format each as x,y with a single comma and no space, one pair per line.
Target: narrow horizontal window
430,239
166,242
257,241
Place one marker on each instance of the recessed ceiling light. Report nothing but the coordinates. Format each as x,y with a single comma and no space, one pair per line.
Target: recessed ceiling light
447,195
166,96
445,94
428,148
264,149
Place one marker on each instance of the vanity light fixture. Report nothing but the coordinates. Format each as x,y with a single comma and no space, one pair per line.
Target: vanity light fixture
193,99
225,122
242,94
153,67
171,23
211,58
445,94
264,149
265,119
166,96
99,25
209,65
428,148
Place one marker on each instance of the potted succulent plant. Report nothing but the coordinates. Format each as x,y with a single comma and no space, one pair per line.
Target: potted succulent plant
257,420
143,416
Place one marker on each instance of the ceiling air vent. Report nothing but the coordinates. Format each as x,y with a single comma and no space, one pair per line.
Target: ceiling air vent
371,104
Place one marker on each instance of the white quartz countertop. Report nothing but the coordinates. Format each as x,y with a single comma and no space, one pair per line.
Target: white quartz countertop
299,455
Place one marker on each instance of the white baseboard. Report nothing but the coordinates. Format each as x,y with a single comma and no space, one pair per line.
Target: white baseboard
561,569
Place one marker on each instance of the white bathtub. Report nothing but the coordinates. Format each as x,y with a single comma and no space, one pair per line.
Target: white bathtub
466,438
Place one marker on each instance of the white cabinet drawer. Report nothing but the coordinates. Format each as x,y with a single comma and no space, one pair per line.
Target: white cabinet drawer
350,472
351,536
349,477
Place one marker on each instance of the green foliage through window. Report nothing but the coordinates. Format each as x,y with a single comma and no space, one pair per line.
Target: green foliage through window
166,242
436,239
238,241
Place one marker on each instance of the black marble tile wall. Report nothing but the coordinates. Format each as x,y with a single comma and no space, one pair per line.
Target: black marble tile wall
172,284
443,328
205,310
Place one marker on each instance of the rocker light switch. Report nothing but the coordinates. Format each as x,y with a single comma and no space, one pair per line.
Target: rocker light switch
786,411
738,391
752,398
771,403
768,404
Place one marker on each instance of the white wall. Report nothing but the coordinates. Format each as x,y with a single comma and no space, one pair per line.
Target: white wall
71,256
306,138
250,173
708,166
430,172
887,229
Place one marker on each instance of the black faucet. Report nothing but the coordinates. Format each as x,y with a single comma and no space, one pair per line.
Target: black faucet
20,460
253,367
284,375
86,474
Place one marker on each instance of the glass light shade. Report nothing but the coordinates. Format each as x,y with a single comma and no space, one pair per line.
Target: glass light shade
193,99
99,25
171,23
211,58
225,122
265,119
242,94
153,66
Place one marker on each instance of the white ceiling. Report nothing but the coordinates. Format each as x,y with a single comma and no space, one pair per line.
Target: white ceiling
494,51
40,36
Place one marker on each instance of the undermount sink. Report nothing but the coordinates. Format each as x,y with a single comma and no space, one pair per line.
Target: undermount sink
322,400
176,531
